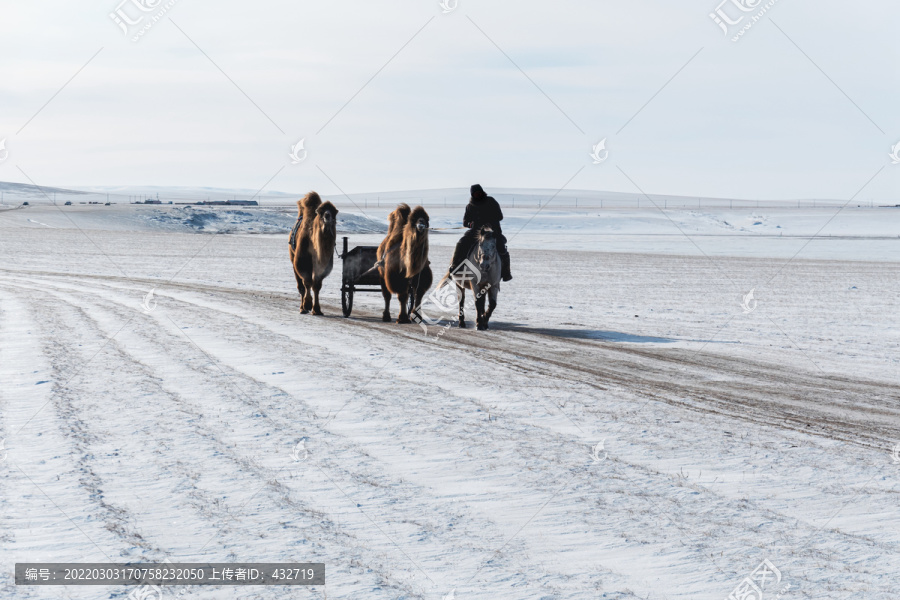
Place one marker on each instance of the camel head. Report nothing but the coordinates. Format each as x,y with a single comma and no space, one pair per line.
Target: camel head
418,221
414,248
326,217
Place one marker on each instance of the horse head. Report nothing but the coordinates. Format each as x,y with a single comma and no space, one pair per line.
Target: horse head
486,250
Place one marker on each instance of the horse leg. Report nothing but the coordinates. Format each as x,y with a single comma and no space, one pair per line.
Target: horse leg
462,310
481,322
492,304
317,286
386,315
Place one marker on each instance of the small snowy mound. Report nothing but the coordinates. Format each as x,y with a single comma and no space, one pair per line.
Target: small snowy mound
351,223
210,220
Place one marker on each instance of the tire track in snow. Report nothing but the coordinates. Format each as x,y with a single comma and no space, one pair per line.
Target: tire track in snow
487,548
262,476
207,308
367,472
242,294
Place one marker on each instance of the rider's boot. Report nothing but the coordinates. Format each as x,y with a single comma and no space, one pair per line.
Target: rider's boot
505,273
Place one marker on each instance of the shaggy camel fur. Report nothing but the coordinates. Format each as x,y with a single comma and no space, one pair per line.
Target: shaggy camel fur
396,222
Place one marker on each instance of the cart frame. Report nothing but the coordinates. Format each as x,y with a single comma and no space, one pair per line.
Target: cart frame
358,274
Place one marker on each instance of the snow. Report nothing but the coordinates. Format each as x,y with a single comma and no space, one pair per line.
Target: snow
460,462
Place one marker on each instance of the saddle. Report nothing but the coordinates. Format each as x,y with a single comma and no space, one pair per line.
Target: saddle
293,239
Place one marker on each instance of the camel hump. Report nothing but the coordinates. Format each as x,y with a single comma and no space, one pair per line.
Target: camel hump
310,201
401,214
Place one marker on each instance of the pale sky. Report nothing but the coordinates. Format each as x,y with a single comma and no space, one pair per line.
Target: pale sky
765,117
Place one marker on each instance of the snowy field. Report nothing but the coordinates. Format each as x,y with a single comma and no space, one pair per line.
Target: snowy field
222,425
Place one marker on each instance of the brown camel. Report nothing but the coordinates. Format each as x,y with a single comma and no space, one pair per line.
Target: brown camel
312,254
396,222
404,266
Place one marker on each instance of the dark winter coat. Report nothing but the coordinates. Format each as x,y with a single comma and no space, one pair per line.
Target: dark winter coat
483,210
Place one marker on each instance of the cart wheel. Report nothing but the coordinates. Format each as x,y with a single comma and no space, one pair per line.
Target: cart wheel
346,300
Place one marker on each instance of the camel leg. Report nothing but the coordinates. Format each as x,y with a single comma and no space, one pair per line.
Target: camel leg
317,286
300,286
386,315
413,299
480,322
403,299
301,289
307,299
462,303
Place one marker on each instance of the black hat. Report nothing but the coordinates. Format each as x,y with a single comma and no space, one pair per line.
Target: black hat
477,191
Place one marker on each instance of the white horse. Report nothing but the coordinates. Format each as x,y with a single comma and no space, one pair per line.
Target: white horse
480,272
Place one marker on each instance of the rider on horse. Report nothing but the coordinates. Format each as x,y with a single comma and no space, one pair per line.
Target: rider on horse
482,210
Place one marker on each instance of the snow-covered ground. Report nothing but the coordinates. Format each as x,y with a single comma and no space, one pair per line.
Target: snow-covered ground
460,461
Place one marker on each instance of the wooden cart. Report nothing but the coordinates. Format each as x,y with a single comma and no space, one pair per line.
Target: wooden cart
358,274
